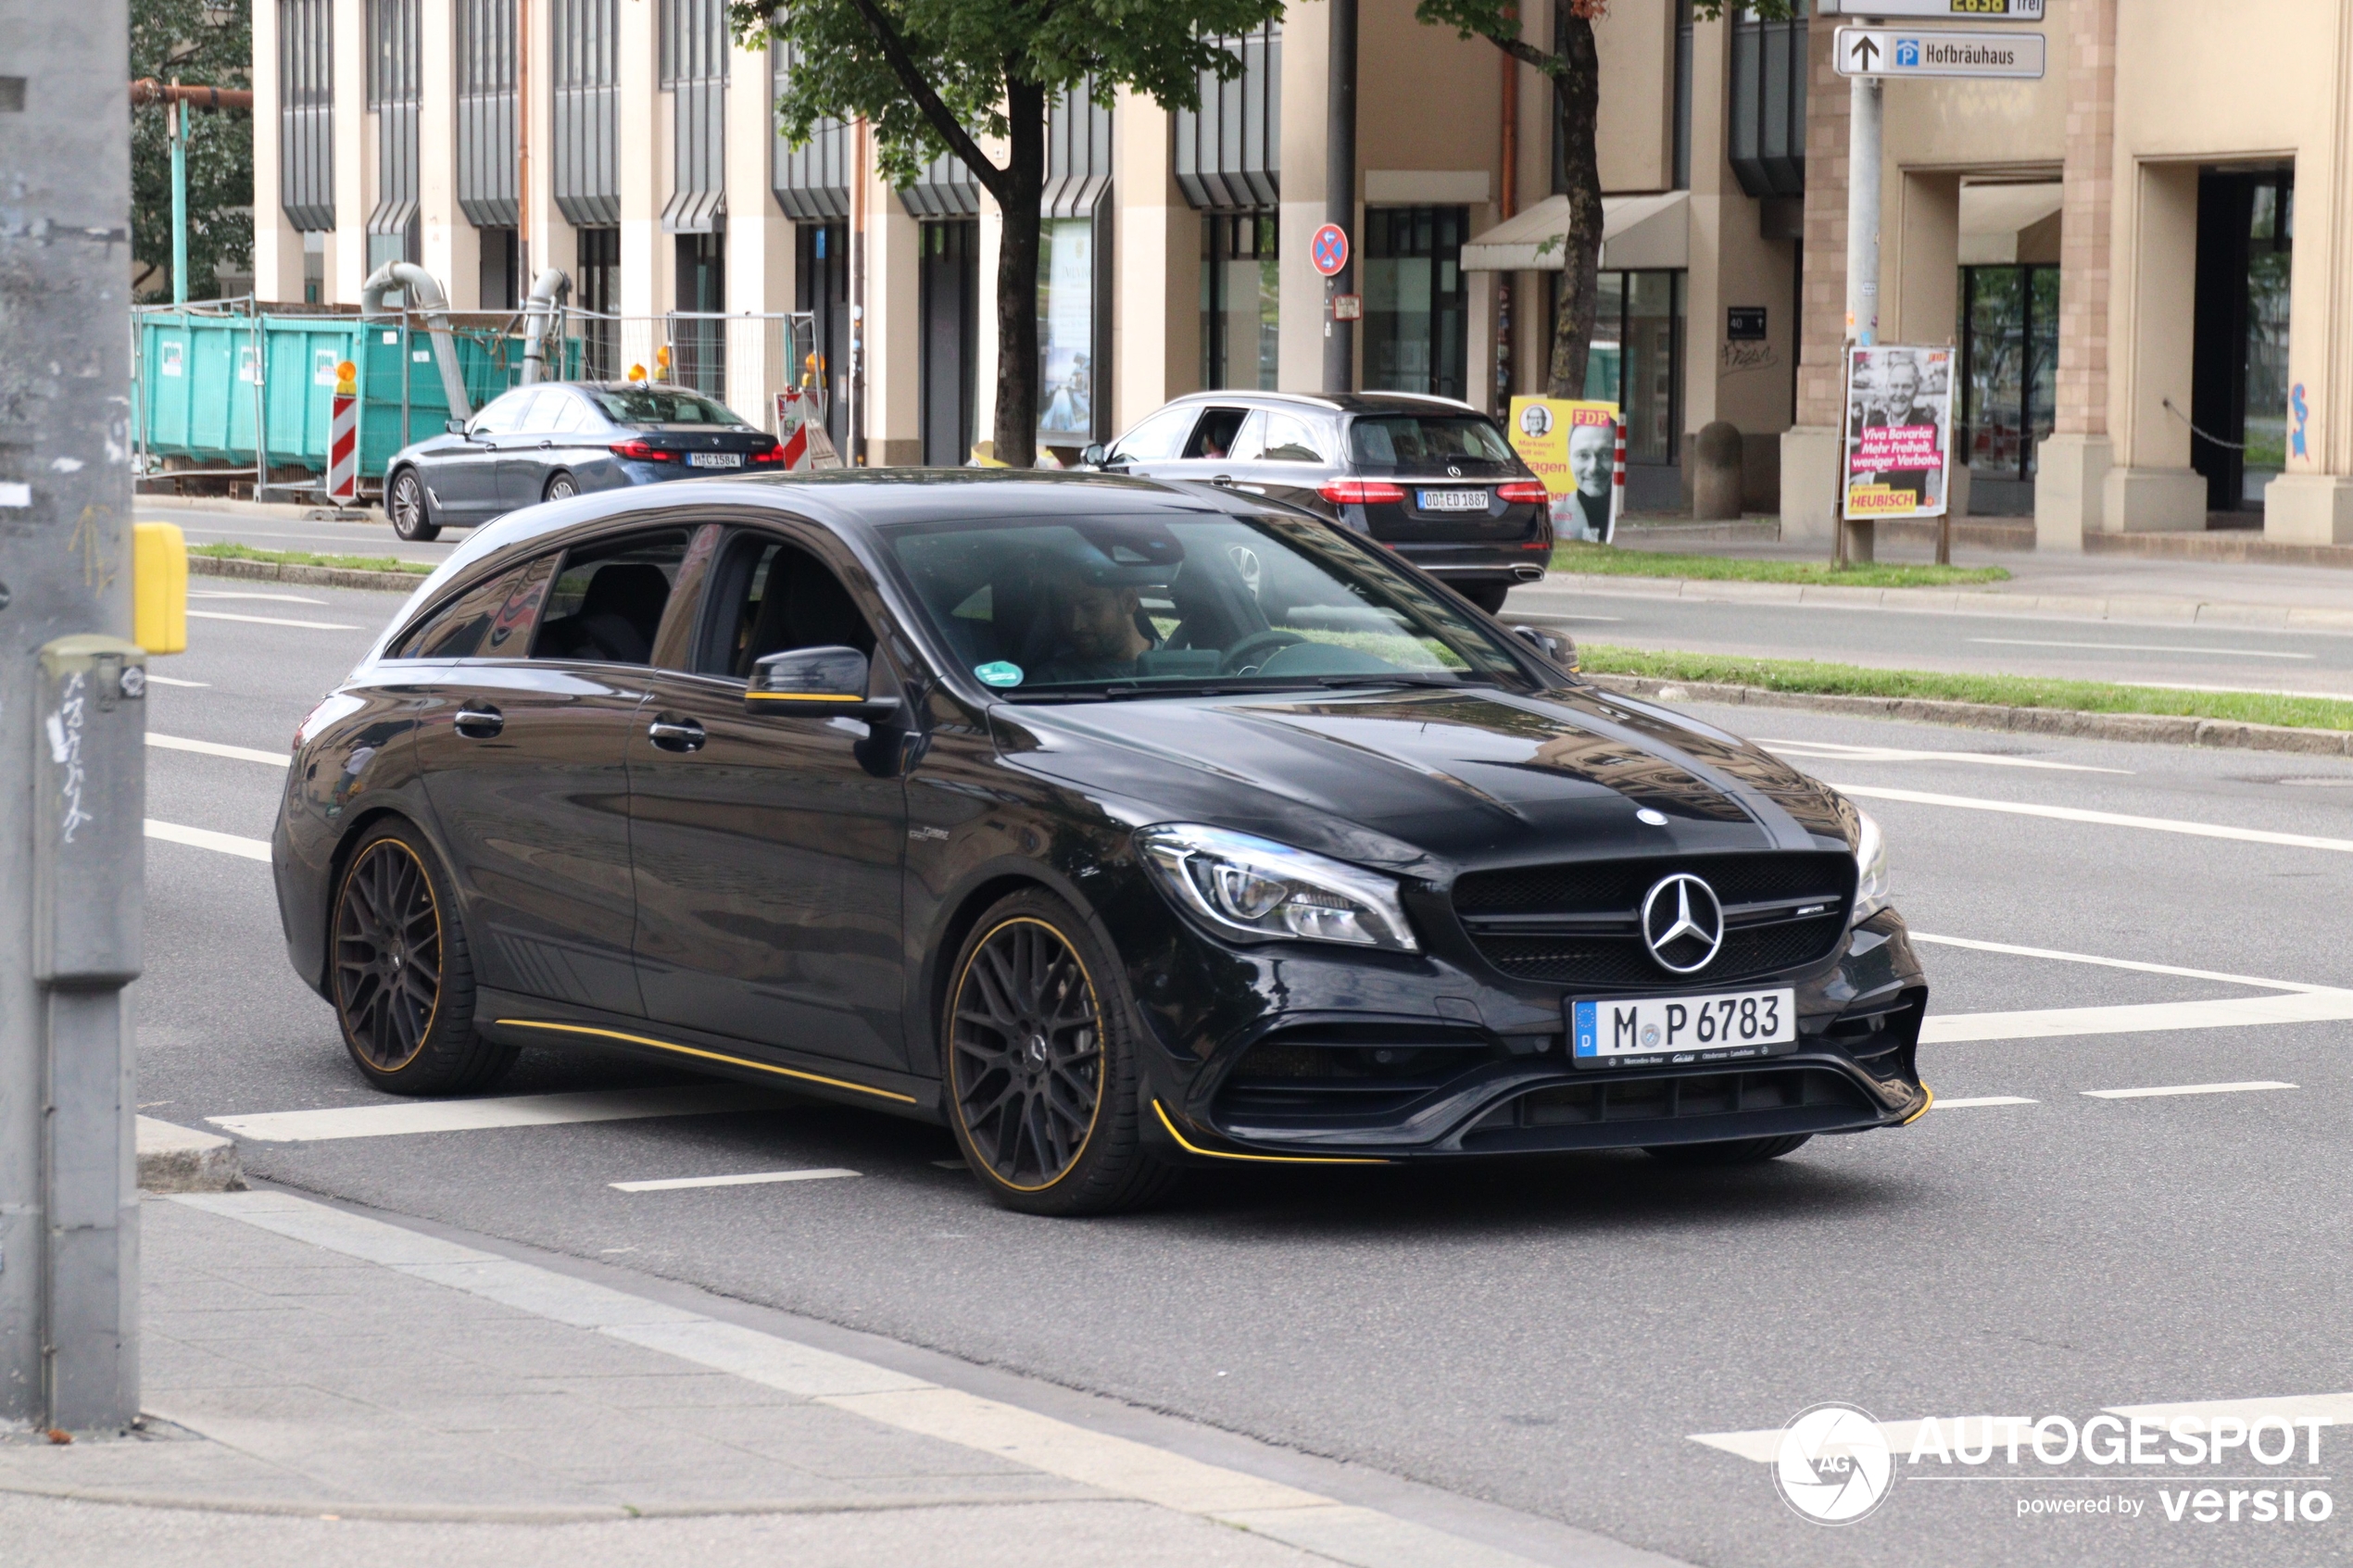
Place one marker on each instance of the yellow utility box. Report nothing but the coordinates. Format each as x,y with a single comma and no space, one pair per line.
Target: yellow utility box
159,587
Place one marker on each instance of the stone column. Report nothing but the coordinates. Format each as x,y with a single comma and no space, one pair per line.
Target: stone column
355,156
644,285
1811,450
277,244
2072,462
1156,280
2311,503
759,244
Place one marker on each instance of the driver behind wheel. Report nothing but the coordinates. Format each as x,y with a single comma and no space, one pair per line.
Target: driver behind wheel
1100,630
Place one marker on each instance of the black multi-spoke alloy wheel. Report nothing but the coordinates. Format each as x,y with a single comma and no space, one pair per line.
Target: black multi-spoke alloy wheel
1041,1065
412,514
563,487
1737,1152
403,980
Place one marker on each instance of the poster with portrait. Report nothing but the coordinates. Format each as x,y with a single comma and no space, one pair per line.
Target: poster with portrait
1572,446
1899,431
1066,332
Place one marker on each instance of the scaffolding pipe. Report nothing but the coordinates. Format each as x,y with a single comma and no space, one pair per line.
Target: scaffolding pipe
538,315
421,288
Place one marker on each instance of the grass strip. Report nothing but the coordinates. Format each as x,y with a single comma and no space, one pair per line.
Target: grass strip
1611,561
1805,675
309,557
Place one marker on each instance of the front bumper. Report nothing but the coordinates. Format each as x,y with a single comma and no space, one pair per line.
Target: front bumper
1361,1058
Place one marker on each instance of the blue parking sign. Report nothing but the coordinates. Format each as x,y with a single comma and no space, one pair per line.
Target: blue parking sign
1908,53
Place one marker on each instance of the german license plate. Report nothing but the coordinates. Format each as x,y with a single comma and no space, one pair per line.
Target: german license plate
714,459
1653,1031
1452,500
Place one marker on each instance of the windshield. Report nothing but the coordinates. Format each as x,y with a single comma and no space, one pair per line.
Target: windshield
1128,606
1391,441
663,405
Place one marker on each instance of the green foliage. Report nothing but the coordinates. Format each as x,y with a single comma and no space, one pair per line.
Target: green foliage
310,558
1611,561
1498,21
208,43
966,51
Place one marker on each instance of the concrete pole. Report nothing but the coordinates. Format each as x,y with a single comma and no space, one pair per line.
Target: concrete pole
72,768
1339,193
1865,103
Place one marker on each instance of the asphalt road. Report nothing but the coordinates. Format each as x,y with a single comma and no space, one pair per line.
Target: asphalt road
270,530
1546,1335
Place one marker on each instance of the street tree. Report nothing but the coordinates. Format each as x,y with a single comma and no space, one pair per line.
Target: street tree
1574,64
934,76
203,44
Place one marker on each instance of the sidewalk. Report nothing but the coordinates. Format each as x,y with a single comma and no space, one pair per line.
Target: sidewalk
327,1385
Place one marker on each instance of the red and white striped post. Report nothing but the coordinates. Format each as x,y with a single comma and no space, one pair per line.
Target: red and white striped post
343,436
1618,482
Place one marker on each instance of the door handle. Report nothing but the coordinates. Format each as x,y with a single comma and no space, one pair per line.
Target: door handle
1221,479
673,735
545,445
480,722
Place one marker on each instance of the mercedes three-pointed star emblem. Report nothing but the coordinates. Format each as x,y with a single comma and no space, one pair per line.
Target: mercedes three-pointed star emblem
1683,923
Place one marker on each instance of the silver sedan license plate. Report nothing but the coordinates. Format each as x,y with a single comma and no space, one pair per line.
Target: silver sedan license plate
1653,1031
1452,500
714,459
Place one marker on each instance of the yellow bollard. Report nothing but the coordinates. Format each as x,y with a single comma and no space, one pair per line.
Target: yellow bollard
159,587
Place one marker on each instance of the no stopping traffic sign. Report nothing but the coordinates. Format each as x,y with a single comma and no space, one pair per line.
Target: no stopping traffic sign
1330,249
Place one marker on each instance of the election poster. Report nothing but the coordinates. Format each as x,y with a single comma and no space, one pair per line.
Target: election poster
1572,446
1899,432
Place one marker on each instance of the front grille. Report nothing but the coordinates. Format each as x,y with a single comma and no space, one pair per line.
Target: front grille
1718,1093
1581,924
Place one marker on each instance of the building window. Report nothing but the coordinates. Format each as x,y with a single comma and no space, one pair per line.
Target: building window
2239,375
306,114
1066,332
1240,291
949,283
496,273
697,335
1765,127
2009,365
1683,94
1415,313
822,287
598,297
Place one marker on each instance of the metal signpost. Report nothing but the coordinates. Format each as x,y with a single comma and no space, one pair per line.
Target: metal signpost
72,723
1866,56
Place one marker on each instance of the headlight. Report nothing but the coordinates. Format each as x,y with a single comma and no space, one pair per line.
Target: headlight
1870,864
1256,890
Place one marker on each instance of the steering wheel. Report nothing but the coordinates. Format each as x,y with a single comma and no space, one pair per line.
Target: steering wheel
1245,657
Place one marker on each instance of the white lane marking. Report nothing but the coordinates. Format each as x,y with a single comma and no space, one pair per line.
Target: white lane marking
1829,751
497,1111
273,598
755,1178
1981,1100
215,748
205,838
2248,1088
1973,1431
156,680
2103,819
271,620
2134,964
1119,1465
2139,647
2140,1018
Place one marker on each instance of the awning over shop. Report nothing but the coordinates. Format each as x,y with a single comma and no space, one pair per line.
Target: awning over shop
1636,232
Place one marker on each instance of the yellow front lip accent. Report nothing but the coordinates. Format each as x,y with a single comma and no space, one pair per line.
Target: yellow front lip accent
1923,1111
708,1055
1191,1148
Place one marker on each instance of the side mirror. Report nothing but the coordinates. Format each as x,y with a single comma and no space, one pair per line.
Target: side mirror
455,427
1092,456
1554,646
827,682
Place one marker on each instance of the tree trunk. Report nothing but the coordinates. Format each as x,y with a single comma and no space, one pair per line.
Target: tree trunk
1578,97
1017,369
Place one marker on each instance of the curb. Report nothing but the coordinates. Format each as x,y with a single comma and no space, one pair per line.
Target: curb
551,1514
316,576
182,1160
2151,728
301,511
1947,601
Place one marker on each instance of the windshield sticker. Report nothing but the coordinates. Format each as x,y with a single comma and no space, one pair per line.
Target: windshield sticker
998,673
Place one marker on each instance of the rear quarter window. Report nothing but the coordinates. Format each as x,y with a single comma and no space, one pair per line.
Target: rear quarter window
492,620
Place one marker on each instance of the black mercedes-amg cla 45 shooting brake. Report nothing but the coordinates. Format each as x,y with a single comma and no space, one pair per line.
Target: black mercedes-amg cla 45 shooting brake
1118,824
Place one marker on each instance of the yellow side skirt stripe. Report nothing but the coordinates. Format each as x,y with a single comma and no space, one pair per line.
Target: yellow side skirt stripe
707,1056
1191,1148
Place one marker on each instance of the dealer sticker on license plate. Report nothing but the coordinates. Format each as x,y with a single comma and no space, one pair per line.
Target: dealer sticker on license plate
1452,500
714,459
1644,1031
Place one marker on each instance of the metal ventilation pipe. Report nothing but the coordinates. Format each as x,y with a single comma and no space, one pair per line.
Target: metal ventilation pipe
548,290
426,293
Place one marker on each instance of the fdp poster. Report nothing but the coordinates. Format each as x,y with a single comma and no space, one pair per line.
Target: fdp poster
1899,431
1572,446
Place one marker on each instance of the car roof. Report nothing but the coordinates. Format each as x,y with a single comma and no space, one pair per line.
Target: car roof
1335,402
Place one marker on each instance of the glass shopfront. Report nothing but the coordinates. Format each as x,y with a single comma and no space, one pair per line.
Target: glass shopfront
1239,292
1066,332
1416,310
2009,369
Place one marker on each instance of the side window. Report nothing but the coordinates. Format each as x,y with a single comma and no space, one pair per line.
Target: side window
1160,437
492,620
570,413
771,596
607,602
1214,437
1289,439
504,415
1250,437
545,408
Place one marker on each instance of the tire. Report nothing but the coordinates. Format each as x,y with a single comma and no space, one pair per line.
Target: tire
1739,1151
560,487
400,973
410,510
1487,596
1041,1065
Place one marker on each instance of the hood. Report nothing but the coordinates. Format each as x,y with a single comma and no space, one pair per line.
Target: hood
1466,777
